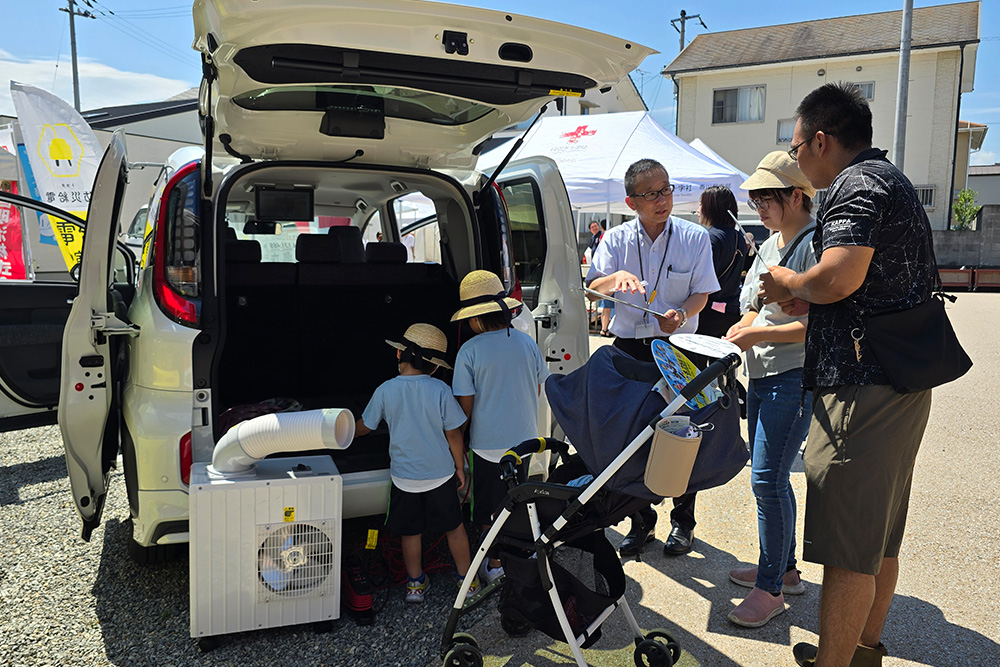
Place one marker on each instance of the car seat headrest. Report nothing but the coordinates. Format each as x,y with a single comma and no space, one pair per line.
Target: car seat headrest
245,252
352,248
386,252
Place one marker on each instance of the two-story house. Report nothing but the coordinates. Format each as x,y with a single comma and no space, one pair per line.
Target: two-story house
738,90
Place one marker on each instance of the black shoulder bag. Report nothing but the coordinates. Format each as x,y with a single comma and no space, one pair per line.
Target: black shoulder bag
917,347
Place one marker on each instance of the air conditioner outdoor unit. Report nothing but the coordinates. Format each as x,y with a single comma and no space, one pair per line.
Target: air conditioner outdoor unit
265,545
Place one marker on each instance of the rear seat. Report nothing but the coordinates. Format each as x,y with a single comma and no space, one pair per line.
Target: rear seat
259,305
347,308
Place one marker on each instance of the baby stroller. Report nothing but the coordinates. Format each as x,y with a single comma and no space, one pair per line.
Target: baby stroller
562,575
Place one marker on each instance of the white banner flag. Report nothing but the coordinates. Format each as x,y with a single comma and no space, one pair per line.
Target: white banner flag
64,155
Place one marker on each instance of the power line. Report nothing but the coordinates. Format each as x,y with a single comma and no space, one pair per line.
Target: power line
148,38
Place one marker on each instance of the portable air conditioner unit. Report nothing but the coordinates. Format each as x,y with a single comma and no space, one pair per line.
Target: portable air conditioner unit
265,545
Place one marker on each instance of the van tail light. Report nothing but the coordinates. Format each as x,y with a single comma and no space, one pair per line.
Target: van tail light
185,457
176,257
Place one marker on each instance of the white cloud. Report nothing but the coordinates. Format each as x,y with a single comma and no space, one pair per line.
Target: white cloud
100,85
983,157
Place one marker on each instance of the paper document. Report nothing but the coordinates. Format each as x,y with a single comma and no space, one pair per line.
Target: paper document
623,302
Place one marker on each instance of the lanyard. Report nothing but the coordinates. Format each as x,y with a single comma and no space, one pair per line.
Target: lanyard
666,249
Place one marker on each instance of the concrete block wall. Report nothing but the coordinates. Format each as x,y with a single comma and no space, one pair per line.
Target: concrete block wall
978,247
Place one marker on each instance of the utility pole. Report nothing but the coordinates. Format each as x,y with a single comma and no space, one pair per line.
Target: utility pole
71,10
903,86
684,18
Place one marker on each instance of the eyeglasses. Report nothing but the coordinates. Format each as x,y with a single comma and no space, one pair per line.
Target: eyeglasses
653,195
793,152
758,204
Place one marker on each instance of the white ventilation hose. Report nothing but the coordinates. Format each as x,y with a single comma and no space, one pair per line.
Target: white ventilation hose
250,441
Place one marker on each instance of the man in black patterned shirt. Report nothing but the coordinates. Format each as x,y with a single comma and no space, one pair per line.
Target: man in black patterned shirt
873,251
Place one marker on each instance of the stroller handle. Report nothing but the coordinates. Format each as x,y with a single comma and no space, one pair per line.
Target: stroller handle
716,369
512,459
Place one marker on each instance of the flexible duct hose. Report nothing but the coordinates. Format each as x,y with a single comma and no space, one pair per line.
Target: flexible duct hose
250,441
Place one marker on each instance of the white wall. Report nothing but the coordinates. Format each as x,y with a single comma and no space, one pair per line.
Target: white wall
931,118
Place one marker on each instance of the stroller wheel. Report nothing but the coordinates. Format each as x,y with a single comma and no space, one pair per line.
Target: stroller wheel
514,627
463,655
663,637
463,638
651,653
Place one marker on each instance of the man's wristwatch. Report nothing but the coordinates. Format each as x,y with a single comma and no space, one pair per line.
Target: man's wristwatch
684,317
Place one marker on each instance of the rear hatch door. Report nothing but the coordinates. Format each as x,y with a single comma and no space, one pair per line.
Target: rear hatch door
403,82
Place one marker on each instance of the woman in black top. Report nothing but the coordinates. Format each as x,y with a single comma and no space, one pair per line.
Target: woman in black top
729,250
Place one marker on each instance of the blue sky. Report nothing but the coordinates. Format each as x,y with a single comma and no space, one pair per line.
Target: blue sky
140,50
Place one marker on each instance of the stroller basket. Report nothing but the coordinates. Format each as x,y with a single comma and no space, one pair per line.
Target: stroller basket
588,574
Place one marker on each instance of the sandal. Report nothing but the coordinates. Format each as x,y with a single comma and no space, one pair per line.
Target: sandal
607,334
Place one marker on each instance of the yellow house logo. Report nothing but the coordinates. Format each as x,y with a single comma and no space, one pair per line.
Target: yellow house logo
60,150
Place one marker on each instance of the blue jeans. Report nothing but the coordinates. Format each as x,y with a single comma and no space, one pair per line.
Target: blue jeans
778,421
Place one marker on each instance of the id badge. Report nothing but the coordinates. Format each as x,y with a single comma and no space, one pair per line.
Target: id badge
645,330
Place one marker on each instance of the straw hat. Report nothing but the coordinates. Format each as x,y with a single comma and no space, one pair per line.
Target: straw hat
778,170
429,338
481,292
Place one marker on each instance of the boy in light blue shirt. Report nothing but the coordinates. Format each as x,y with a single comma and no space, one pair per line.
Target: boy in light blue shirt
426,452
497,381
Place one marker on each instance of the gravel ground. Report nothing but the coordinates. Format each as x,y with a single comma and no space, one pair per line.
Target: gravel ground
64,601
68,602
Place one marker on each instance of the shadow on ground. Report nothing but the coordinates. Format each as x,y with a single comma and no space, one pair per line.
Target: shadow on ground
27,474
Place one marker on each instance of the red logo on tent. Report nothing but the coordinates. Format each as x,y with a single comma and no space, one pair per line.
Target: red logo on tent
578,133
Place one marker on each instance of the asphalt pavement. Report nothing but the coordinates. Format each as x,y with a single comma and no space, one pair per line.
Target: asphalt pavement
946,612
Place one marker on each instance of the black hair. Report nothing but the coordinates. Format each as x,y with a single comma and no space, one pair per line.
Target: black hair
638,168
603,224
716,204
494,320
838,109
783,195
410,357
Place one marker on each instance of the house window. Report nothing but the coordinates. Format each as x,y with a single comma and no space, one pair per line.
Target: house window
926,195
785,129
867,89
738,105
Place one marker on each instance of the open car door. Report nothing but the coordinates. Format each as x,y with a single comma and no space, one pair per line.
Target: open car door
543,236
32,317
88,397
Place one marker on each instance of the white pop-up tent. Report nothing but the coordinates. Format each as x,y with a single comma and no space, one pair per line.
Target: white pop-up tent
706,150
593,152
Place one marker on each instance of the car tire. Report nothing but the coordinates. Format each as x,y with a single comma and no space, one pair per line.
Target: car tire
154,555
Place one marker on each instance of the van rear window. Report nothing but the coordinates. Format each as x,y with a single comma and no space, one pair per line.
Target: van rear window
399,102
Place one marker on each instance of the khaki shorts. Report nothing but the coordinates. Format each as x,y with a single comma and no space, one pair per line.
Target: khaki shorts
859,458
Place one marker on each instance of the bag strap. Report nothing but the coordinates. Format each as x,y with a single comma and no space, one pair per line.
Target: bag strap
795,244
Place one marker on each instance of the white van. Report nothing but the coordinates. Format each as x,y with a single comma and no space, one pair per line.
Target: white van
257,284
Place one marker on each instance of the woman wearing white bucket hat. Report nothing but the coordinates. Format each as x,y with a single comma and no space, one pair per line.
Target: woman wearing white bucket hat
426,452
497,380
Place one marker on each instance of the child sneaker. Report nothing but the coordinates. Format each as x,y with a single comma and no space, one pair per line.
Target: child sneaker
417,588
473,589
489,574
747,576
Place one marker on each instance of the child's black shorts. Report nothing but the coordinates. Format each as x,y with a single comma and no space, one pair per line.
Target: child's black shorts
488,491
436,511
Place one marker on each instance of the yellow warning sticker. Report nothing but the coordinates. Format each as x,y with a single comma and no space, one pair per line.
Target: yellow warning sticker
289,514
565,93
372,541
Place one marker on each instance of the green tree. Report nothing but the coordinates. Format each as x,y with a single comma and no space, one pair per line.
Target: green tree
965,210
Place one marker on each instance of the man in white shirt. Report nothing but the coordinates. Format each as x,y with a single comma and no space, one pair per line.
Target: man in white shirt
660,262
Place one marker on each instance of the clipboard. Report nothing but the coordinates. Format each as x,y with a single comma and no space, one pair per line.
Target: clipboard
623,302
